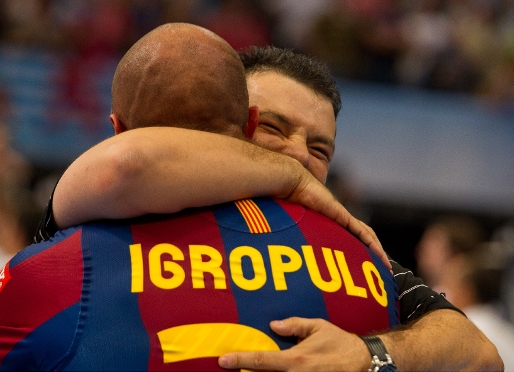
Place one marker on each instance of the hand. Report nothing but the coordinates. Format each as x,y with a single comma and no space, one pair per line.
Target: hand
321,347
312,194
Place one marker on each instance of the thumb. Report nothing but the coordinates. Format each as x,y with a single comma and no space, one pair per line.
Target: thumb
295,326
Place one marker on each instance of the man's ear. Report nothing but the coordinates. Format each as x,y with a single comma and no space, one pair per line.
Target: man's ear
253,121
117,125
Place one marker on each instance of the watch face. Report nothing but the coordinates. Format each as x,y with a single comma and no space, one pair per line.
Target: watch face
388,368
384,365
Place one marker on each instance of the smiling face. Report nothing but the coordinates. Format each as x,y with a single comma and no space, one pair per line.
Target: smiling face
294,120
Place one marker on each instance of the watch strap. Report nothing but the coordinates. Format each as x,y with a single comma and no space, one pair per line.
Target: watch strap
381,360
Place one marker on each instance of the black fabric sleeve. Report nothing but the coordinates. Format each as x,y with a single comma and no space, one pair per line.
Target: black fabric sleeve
416,298
47,226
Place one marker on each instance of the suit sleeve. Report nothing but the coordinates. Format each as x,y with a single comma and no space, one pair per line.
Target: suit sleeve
416,298
47,226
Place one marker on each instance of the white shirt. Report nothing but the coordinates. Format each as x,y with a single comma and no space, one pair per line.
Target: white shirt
501,332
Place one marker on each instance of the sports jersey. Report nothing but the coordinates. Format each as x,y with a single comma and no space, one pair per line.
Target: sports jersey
174,292
416,298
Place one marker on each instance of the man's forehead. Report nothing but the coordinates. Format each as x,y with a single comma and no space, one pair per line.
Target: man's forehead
292,103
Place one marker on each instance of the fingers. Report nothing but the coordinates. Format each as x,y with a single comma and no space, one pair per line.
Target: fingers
255,360
362,231
273,360
295,326
315,196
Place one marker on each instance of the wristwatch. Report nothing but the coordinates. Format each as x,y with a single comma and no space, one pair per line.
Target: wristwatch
381,361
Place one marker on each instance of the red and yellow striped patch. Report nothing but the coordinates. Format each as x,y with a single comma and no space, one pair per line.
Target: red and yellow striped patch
255,219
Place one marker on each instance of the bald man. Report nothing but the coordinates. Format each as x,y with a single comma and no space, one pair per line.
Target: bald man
175,292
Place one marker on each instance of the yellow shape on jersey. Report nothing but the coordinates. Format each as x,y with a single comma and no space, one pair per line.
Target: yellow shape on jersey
255,219
193,341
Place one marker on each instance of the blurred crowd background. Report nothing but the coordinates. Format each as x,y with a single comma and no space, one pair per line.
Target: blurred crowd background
57,58
457,45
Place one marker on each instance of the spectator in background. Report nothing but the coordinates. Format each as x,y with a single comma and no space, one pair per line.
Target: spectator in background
32,23
379,36
334,38
473,47
240,24
293,20
360,40
97,32
426,31
460,46
497,86
473,280
180,10
454,257
498,83
477,33
146,15
442,239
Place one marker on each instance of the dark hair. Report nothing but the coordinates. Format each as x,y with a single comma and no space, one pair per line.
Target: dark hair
304,69
465,233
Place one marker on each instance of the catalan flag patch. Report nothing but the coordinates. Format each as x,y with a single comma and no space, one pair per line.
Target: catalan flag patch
255,219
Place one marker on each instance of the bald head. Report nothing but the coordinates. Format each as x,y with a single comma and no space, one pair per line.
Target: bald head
181,75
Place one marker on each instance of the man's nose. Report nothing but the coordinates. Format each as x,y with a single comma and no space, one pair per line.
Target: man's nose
300,152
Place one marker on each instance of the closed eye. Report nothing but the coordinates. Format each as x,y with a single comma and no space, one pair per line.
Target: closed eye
321,153
270,127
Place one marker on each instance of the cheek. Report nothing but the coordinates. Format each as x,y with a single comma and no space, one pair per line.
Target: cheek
267,140
319,169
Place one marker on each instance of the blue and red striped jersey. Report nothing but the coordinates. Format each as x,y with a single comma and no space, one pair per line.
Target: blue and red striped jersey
174,292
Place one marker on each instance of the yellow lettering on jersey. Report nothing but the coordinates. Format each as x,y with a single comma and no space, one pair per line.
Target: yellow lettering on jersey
310,261
212,266
136,260
154,263
236,268
193,341
351,288
168,274
369,269
279,267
